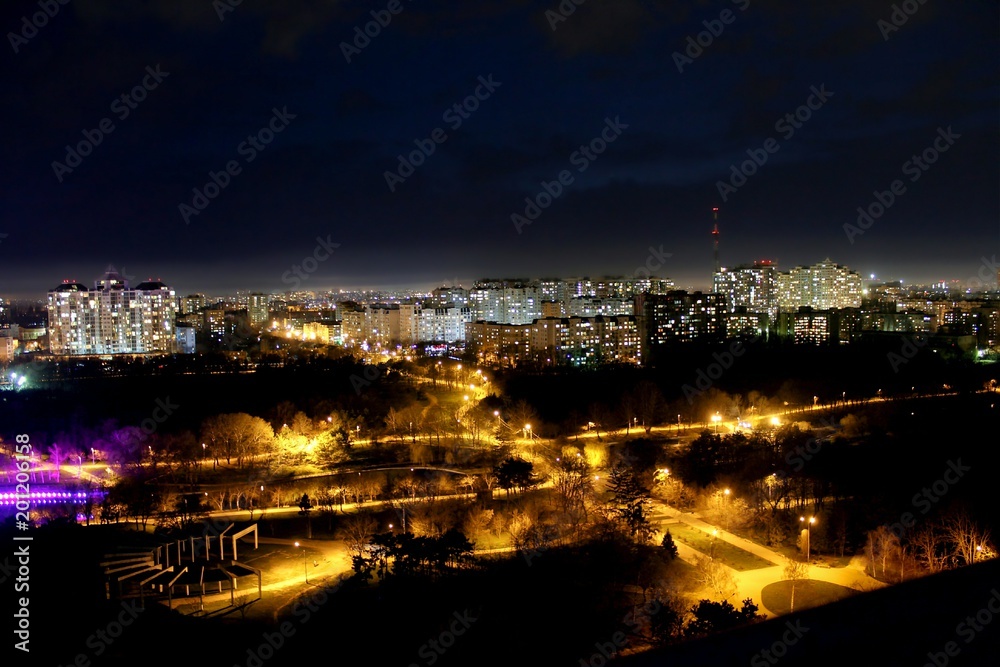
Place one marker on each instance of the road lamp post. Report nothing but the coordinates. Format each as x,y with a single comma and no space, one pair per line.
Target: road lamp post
808,526
726,494
716,419
305,568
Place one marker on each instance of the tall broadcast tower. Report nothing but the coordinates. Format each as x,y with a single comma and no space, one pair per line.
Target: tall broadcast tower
715,236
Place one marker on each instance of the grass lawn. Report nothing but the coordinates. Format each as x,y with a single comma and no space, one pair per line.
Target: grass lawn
808,593
731,555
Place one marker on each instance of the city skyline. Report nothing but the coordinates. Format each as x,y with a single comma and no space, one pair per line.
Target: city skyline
519,142
970,281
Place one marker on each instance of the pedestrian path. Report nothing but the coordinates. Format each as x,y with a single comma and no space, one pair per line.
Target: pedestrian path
750,583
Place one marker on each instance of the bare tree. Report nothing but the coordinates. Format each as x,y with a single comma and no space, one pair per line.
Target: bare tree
928,542
966,536
239,435
882,545
393,424
242,603
715,576
56,456
795,571
477,522
357,531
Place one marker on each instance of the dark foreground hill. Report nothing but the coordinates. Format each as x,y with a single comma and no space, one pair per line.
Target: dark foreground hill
907,624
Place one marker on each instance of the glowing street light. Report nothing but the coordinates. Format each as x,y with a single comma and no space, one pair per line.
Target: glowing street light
305,568
716,419
808,526
726,493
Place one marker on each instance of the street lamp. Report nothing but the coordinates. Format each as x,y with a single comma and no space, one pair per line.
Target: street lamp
808,526
305,568
726,493
527,431
716,418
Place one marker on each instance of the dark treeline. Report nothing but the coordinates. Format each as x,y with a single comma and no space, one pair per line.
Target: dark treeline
315,386
784,372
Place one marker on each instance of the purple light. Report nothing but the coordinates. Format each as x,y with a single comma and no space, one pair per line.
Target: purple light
8,498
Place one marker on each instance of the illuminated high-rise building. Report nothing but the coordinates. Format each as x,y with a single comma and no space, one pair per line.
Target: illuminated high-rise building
506,301
822,286
192,303
753,287
112,318
257,309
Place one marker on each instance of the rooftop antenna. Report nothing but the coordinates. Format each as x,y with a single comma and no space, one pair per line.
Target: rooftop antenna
715,236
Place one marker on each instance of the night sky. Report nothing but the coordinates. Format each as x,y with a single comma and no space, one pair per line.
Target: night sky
556,82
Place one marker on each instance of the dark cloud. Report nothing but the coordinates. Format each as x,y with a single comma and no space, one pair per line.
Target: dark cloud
326,172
